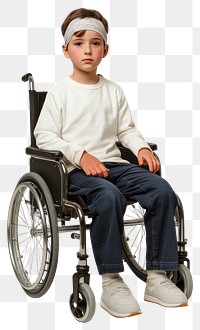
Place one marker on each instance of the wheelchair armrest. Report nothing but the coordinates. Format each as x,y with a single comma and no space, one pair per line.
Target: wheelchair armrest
153,146
45,154
127,154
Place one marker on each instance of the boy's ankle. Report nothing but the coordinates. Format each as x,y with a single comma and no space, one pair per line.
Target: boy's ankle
155,273
108,277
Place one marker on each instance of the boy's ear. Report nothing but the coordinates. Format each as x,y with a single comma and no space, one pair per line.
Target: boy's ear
65,51
106,48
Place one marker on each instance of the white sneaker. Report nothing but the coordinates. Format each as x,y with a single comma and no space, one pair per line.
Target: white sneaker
161,290
118,300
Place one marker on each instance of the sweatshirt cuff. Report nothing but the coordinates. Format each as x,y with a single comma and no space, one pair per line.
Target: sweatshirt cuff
135,147
77,157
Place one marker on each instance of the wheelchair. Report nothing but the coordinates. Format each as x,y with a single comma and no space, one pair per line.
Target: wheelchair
40,209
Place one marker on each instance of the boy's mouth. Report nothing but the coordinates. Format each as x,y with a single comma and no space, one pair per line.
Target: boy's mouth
87,60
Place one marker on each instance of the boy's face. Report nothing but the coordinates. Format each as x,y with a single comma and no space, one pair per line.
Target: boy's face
86,52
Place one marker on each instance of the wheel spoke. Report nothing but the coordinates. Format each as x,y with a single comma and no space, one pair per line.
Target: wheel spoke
80,308
134,245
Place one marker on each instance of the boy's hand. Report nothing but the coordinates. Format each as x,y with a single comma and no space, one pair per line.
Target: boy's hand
92,166
145,156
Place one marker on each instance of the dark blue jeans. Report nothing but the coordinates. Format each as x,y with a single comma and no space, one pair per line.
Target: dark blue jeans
106,200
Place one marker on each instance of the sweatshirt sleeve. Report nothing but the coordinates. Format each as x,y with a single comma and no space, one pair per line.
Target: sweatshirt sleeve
48,131
129,136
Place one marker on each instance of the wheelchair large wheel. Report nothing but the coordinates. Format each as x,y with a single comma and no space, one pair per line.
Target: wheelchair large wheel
84,310
134,238
33,235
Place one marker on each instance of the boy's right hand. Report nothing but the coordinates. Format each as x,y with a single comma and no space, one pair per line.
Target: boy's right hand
92,166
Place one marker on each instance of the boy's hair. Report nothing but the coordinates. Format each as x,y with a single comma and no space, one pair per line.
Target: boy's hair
82,13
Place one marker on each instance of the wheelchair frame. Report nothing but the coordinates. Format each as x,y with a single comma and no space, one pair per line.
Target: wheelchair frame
51,166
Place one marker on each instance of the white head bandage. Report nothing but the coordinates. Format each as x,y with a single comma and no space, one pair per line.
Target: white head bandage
87,23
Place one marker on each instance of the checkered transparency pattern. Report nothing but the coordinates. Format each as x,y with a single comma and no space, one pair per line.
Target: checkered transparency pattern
155,56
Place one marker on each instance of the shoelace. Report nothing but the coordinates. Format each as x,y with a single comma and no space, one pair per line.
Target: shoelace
121,290
167,284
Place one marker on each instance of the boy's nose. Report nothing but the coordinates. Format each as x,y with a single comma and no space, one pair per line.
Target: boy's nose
87,49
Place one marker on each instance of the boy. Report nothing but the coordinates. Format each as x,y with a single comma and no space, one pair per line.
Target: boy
83,116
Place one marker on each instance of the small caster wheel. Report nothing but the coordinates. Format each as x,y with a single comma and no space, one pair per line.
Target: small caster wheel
184,280
85,309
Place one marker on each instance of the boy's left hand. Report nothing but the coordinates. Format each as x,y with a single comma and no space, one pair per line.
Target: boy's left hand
145,156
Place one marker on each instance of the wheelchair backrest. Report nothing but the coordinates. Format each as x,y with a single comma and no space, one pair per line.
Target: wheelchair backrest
36,100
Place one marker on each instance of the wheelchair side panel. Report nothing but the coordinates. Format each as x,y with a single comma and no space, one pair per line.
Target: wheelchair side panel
51,172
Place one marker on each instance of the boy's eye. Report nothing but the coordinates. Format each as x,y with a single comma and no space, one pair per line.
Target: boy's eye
96,43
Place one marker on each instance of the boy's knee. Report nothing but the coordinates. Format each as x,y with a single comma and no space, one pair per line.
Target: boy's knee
167,193
111,196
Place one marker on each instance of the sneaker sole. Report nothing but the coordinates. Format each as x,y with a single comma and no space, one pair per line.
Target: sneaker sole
119,315
159,302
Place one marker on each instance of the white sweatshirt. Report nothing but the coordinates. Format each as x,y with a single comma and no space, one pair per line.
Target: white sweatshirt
77,117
